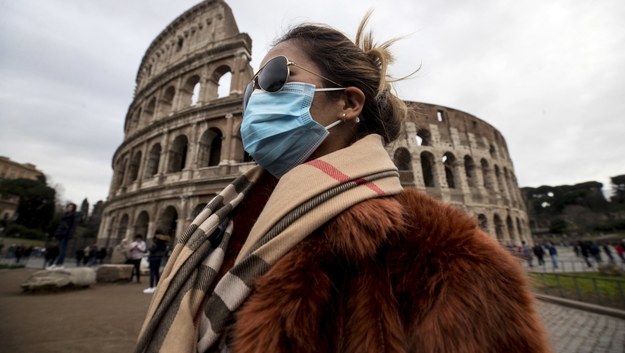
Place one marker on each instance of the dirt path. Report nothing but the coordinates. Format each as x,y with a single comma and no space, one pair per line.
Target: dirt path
103,318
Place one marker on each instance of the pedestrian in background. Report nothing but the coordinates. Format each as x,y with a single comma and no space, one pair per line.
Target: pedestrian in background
553,252
155,259
136,252
64,232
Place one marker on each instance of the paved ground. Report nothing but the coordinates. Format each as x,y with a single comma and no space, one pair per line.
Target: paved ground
107,318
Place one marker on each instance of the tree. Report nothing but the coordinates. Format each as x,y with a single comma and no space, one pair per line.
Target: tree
618,189
84,211
36,201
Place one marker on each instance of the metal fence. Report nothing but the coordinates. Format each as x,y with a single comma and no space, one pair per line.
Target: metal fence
589,289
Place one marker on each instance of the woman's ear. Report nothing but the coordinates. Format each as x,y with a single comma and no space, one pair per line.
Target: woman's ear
352,103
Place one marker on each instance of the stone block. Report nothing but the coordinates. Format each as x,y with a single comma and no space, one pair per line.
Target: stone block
114,273
60,279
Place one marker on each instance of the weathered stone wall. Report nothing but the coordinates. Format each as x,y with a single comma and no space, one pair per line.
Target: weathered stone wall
182,143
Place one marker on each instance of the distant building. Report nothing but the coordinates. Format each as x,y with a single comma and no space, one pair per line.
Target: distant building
182,143
13,170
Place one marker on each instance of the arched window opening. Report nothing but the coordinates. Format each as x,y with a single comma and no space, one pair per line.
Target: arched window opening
190,92
209,153
167,101
179,44
141,225
133,169
498,228
424,137
178,154
121,173
135,118
153,161
519,228
195,95
122,228
223,89
149,110
402,159
449,161
499,180
440,115
511,231
492,151
469,169
488,182
427,168
483,222
196,211
168,222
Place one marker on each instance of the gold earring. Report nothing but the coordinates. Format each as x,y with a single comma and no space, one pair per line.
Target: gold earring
343,115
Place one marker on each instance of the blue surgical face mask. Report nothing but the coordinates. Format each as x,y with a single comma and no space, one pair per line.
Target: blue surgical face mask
278,130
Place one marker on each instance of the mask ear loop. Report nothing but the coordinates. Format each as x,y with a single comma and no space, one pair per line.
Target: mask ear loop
333,124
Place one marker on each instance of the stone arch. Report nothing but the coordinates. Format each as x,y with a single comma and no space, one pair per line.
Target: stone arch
486,174
449,163
511,232
482,221
141,224
216,80
499,233
424,138
153,160
519,229
428,169
133,168
148,112
178,154
168,221
122,228
492,150
167,101
121,173
189,93
110,231
209,149
136,117
499,184
197,209
402,159
469,170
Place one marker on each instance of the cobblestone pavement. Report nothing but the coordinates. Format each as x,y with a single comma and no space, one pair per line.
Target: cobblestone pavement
578,331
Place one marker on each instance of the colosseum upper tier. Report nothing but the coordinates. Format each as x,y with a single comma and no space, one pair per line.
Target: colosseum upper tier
182,143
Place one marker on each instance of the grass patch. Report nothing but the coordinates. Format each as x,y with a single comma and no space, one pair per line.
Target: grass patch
11,266
587,287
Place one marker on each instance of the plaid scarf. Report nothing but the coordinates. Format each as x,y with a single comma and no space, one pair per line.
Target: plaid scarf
183,316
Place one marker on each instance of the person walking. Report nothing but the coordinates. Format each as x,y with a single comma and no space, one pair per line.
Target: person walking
64,232
540,254
136,252
155,259
553,252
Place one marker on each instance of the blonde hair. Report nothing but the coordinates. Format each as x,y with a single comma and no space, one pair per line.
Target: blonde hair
361,63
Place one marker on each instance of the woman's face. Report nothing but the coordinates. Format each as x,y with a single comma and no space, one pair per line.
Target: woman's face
324,109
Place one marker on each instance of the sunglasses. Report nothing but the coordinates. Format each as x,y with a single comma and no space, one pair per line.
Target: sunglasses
274,75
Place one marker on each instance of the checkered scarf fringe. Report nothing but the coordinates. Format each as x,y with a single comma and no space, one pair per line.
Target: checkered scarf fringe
182,316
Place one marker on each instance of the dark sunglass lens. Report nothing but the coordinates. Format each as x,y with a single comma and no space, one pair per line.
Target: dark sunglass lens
247,93
274,74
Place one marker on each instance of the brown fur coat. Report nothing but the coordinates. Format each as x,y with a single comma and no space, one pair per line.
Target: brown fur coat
395,274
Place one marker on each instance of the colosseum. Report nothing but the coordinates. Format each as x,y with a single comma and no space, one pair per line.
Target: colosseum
182,143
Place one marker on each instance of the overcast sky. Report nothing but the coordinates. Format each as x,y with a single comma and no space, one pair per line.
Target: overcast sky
550,75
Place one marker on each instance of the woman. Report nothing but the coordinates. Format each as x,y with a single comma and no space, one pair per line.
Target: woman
324,251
